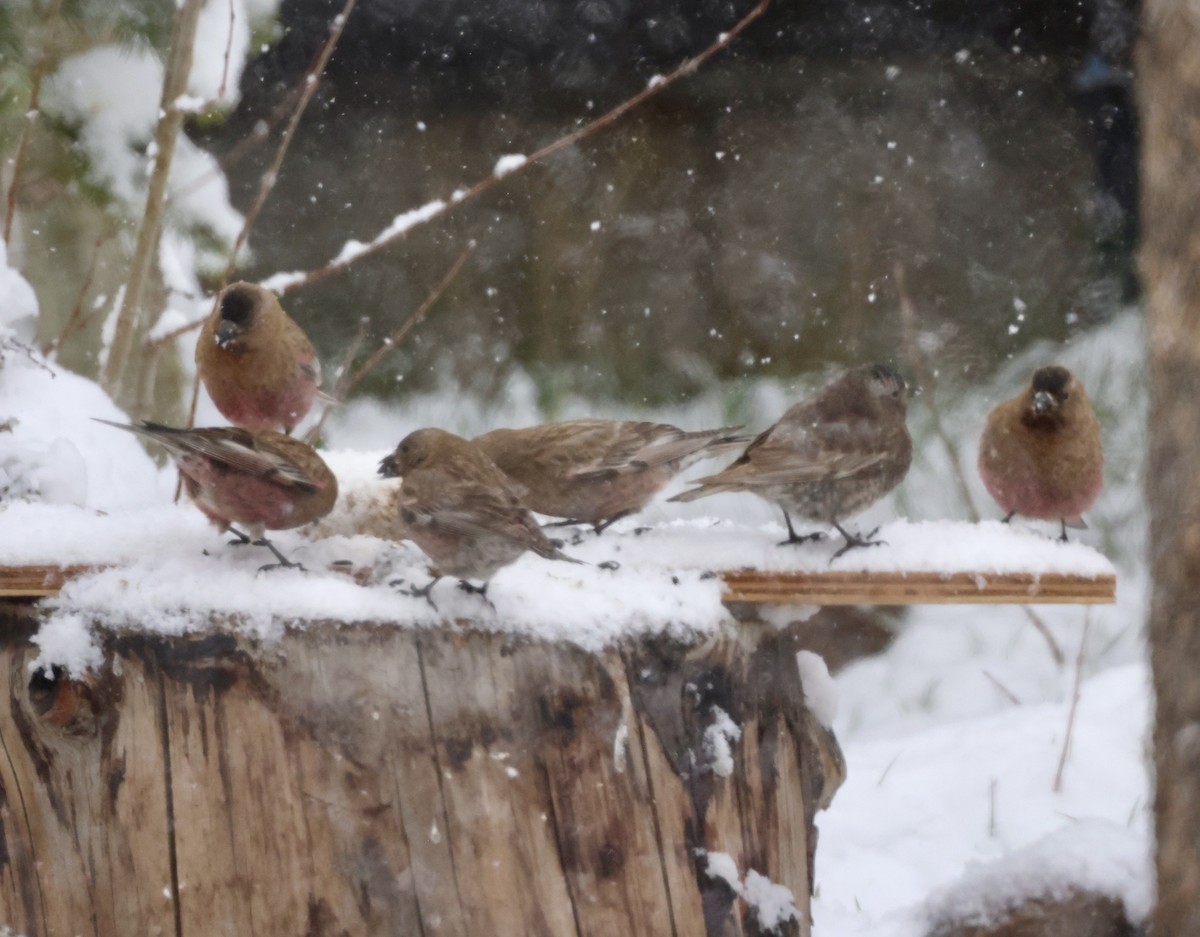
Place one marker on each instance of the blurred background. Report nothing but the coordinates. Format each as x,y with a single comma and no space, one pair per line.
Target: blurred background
746,223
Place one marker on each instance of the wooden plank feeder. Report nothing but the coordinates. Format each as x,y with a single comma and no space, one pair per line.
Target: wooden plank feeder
823,587
378,779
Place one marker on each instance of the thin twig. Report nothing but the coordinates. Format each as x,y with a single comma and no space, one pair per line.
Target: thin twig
393,340
257,135
343,371
153,345
166,133
228,52
77,320
1043,629
40,67
1062,761
269,178
656,86
1008,694
918,361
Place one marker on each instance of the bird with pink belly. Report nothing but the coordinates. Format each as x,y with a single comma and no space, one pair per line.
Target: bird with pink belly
257,364
1040,454
262,481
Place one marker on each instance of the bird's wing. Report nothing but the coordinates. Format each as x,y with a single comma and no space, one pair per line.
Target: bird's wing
642,446
241,451
465,507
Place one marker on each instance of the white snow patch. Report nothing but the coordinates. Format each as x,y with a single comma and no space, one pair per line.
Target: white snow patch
820,689
112,94
55,456
1091,855
719,737
773,904
279,282
67,641
506,164
620,746
401,223
18,302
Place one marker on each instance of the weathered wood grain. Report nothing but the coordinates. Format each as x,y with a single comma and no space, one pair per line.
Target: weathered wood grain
381,781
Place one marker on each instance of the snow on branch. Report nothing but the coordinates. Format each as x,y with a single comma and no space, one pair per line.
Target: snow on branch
507,166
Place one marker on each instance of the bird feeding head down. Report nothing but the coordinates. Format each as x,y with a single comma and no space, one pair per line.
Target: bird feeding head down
239,309
413,450
1051,389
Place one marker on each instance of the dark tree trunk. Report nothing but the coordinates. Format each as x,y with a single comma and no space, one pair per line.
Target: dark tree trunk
1169,77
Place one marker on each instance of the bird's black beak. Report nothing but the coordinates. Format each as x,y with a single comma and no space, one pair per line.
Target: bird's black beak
1043,403
387,467
228,332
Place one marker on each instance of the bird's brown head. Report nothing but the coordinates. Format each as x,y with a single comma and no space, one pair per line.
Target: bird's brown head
886,384
240,307
414,450
1050,388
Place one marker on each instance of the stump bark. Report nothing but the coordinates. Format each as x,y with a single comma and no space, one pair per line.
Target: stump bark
371,780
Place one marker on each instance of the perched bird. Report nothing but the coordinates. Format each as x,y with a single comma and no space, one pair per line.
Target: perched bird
830,456
1040,454
598,471
256,363
458,507
262,481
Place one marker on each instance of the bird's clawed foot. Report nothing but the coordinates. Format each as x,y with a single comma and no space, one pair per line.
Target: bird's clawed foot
422,592
794,538
284,562
240,540
855,540
599,528
480,591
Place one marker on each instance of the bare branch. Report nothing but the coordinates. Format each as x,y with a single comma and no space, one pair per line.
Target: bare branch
179,66
1062,761
38,74
340,387
267,183
228,52
1043,629
77,320
1005,691
346,385
437,210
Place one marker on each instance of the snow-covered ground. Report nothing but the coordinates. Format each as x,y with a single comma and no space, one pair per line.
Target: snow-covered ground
953,737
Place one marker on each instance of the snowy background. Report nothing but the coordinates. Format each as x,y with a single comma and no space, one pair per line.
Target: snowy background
953,736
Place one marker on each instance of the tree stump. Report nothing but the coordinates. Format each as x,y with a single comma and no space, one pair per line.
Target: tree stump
375,780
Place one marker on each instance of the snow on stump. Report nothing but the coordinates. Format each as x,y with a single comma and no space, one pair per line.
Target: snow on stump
372,779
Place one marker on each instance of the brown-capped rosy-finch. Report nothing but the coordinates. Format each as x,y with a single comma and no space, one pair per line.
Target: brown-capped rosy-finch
257,365
461,510
598,471
830,456
259,480
1040,454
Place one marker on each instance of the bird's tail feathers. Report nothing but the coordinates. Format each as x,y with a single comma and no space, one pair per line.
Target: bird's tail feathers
703,491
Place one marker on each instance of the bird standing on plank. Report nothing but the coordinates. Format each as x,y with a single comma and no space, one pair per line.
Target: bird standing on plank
260,480
598,471
829,457
1040,454
257,364
461,510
